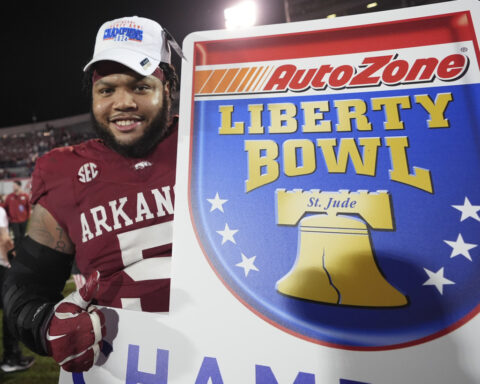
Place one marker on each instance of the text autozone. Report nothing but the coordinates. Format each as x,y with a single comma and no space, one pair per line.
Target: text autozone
373,71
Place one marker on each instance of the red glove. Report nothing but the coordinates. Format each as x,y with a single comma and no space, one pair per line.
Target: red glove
74,336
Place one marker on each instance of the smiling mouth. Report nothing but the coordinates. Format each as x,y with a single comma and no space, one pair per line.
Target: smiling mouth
126,125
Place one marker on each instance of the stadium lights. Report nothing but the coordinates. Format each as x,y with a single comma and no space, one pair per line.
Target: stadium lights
372,5
332,16
241,15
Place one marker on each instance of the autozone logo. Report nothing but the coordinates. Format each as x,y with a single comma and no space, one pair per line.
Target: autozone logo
372,71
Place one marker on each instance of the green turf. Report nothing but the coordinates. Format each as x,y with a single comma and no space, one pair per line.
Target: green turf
44,371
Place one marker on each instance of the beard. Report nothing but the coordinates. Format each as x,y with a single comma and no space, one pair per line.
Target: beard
154,133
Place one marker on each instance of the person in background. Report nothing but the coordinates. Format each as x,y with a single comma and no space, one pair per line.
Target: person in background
13,360
17,205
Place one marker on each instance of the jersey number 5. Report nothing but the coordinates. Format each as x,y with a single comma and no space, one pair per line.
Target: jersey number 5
132,244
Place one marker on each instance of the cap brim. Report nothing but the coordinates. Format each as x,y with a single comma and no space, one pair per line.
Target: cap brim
129,58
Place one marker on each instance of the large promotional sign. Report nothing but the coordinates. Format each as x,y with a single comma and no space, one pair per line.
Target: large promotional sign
329,176
327,208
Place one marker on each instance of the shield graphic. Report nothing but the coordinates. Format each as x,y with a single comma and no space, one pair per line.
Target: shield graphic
334,179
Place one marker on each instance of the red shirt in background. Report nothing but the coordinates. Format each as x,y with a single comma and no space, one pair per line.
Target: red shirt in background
17,207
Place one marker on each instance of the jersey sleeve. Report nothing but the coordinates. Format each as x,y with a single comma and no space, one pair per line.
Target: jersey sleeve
48,185
38,184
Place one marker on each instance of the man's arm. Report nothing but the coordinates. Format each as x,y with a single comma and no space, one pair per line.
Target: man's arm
44,229
34,283
69,330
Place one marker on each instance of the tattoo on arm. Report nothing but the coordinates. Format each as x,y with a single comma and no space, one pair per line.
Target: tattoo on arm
60,245
44,229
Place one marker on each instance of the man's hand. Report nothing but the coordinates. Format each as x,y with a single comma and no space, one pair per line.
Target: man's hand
74,335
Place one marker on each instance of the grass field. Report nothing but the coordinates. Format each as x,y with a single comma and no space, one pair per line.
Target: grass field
44,371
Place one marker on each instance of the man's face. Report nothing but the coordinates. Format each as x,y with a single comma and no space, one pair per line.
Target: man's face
130,111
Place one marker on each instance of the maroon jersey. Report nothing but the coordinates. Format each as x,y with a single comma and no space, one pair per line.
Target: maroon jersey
119,213
18,207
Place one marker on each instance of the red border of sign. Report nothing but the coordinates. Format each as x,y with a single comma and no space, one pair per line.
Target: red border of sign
432,30
407,33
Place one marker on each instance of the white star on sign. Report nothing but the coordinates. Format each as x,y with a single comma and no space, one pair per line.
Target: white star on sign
468,210
459,247
247,264
217,203
437,279
227,234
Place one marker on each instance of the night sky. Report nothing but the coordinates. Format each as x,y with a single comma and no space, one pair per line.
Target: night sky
47,43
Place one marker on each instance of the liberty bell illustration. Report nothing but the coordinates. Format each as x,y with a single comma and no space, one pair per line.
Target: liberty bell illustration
335,262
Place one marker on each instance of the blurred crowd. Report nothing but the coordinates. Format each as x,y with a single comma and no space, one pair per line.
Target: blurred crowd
23,149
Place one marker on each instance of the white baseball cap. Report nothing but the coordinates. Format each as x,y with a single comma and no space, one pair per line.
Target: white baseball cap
136,42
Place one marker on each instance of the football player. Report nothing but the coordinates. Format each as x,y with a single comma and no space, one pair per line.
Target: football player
107,202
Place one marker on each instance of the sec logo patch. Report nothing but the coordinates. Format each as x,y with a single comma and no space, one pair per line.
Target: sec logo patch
87,172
